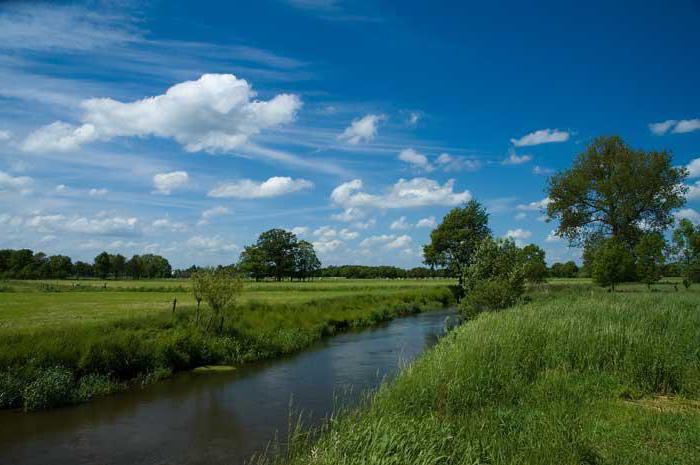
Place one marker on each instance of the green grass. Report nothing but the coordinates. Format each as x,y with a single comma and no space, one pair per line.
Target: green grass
577,376
64,346
26,304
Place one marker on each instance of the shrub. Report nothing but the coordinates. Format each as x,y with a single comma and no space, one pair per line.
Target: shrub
52,387
494,279
613,263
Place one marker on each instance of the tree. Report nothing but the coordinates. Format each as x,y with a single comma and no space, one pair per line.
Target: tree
83,270
117,264
616,191
134,267
277,247
253,263
453,242
564,270
60,266
650,258
219,289
534,265
686,247
306,263
102,265
494,278
612,264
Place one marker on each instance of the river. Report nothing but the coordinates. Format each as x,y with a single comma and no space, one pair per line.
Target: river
218,418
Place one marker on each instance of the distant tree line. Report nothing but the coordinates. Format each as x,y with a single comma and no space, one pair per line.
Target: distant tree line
26,264
378,272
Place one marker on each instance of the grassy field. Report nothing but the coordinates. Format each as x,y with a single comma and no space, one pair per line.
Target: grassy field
26,304
576,376
61,343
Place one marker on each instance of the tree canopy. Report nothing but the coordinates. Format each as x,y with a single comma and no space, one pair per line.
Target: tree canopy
453,242
279,254
616,191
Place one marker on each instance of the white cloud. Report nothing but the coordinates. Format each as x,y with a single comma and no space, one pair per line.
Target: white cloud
165,183
415,159
108,226
97,192
213,212
348,234
687,125
214,244
543,136
449,163
348,215
326,246
413,118
694,168
428,222
249,189
521,216
61,188
300,230
401,223
400,242
693,191
515,159
552,237
362,129
5,135
9,183
325,232
535,206
518,233
386,241
416,192
541,170
662,127
168,225
215,113
688,214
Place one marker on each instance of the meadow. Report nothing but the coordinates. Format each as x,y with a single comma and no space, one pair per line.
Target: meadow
63,342
576,375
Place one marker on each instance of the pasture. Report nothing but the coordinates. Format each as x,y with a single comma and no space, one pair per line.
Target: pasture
27,304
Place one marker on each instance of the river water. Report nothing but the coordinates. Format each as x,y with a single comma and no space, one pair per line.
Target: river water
218,418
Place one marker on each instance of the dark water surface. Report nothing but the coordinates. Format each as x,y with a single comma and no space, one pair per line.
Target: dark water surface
221,417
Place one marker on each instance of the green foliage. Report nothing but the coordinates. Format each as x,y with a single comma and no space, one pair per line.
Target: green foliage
564,270
494,278
613,264
102,265
456,238
649,252
612,189
219,289
577,379
99,358
686,247
279,254
306,263
534,265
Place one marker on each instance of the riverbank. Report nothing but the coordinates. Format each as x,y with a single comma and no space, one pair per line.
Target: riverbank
49,365
572,378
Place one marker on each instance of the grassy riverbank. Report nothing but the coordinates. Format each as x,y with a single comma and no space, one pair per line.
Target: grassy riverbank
63,354
575,377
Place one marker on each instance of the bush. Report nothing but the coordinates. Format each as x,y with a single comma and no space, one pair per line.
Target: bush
52,387
494,279
612,264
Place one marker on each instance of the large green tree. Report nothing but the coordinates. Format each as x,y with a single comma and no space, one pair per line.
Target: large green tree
617,191
453,242
686,247
306,263
102,265
277,247
534,265
613,264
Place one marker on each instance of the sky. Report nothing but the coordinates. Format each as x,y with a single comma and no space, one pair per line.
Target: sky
188,128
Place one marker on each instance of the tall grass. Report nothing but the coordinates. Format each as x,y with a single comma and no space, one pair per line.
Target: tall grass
576,379
48,366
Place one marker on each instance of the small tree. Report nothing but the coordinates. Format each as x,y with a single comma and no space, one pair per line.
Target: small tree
306,263
102,265
612,264
199,279
454,240
494,278
219,289
534,266
650,258
686,247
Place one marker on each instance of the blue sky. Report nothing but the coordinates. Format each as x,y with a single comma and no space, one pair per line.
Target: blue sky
188,129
